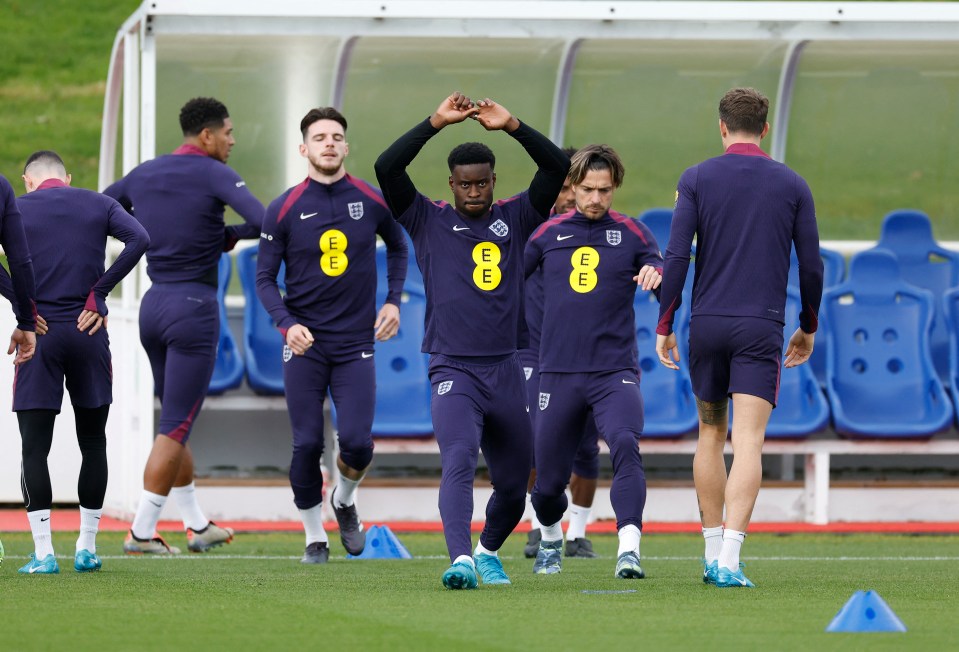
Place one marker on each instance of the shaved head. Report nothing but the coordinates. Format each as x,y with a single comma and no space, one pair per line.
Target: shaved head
44,165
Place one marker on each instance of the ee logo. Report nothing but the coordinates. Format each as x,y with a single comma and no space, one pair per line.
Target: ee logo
583,278
487,274
333,243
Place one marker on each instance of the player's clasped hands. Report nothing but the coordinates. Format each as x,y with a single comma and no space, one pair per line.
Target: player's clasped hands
299,339
458,107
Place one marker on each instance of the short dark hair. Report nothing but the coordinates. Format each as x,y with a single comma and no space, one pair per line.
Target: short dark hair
744,110
44,157
321,113
471,154
569,151
596,157
202,113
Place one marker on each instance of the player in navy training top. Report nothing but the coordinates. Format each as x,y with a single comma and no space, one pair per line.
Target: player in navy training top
746,211
179,198
325,229
471,259
583,480
23,297
67,229
592,260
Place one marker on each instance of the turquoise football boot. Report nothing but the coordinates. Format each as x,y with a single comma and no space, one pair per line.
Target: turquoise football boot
46,566
710,570
490,569
460,575
729,579
86,562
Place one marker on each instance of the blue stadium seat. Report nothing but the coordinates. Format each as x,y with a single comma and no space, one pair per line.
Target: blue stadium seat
228,370
802,408
950,303
833,273
658,220
263,343
880,376
668,401
908,235
413,274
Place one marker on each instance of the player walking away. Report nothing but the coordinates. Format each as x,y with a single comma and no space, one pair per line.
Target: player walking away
591,261
66,229
24,340
583,481
746,211
325,229
179,198
471,257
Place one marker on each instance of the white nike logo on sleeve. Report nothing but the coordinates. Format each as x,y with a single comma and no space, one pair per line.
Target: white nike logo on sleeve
628,382
564,237
365,355
460,228
304,216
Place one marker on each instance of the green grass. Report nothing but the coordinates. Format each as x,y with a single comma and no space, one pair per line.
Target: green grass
254,594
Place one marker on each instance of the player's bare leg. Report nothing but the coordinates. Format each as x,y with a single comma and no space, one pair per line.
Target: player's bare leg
742,488
709,476
159,475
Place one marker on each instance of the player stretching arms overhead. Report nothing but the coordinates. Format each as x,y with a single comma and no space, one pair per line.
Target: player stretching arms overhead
471,258
325,229
179,198
746,212
591,260
67,231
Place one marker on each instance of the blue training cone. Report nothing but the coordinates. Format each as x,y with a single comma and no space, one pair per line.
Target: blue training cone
381,543
866,612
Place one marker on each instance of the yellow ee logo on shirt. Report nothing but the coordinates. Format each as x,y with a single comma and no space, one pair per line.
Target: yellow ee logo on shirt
487,274
333,243
583,278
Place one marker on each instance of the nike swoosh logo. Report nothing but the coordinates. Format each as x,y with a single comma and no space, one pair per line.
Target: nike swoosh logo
628,382
563,237
154,504
304,216
460,228
240,184
366,355
44,520
741,582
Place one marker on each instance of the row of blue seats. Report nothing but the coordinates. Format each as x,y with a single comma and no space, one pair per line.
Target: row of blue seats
871,326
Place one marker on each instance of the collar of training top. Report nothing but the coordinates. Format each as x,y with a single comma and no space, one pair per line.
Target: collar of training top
52,183
192,150
746,149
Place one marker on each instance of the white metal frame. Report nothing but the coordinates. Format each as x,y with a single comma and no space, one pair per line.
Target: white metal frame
132,76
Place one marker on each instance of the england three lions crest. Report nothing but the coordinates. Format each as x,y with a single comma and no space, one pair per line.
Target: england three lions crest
499,228
543,400
614,237
444,387
287,353
356,209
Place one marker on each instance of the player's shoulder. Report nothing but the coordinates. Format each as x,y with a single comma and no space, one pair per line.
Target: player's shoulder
366,189
6,189
633,227
281,206
551,224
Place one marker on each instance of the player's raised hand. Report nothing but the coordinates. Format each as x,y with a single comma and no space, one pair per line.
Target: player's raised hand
648,278
455,108
299,339
387,322
666,344
800,348
24,343
495,116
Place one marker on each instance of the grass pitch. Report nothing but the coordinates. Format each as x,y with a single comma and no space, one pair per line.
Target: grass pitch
254,594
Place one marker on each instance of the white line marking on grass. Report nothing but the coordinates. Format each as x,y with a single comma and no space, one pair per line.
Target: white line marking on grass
214,556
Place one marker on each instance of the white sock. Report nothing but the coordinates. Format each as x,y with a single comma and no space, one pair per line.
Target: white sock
714,542
42,538
729,555
346,491
148,514
629,536
89,524
578,517
481,550
190,511
552,532
534,523
313,525
464,558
